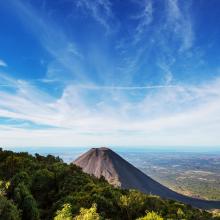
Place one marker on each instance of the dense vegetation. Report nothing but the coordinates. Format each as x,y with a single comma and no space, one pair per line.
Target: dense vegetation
37,187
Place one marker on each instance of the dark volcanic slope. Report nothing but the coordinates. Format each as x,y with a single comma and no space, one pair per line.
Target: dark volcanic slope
117,171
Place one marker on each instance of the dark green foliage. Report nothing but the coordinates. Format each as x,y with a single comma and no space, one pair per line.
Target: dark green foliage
21,177
8,211
39,186
26,202
30,210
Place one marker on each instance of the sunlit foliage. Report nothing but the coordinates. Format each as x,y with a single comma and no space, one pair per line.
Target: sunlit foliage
151,216
64,213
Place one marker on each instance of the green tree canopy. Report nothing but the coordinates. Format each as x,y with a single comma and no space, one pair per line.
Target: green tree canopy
151,216
8,211
88,214
64,213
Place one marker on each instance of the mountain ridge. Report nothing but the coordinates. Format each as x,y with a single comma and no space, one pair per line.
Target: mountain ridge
119,172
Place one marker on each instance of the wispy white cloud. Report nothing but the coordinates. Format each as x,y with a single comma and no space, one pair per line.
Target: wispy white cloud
159,39
169,115
177,23
144,18
100,10
96,87
3,63
168,75
180,22
66,55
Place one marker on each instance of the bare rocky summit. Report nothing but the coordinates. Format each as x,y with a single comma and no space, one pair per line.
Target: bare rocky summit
100,162
120,173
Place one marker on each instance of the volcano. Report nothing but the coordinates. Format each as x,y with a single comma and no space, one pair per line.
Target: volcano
120,173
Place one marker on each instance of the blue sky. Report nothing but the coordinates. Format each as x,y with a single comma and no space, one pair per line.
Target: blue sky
109,72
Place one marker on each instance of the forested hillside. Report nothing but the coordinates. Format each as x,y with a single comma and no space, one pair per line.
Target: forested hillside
38,187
